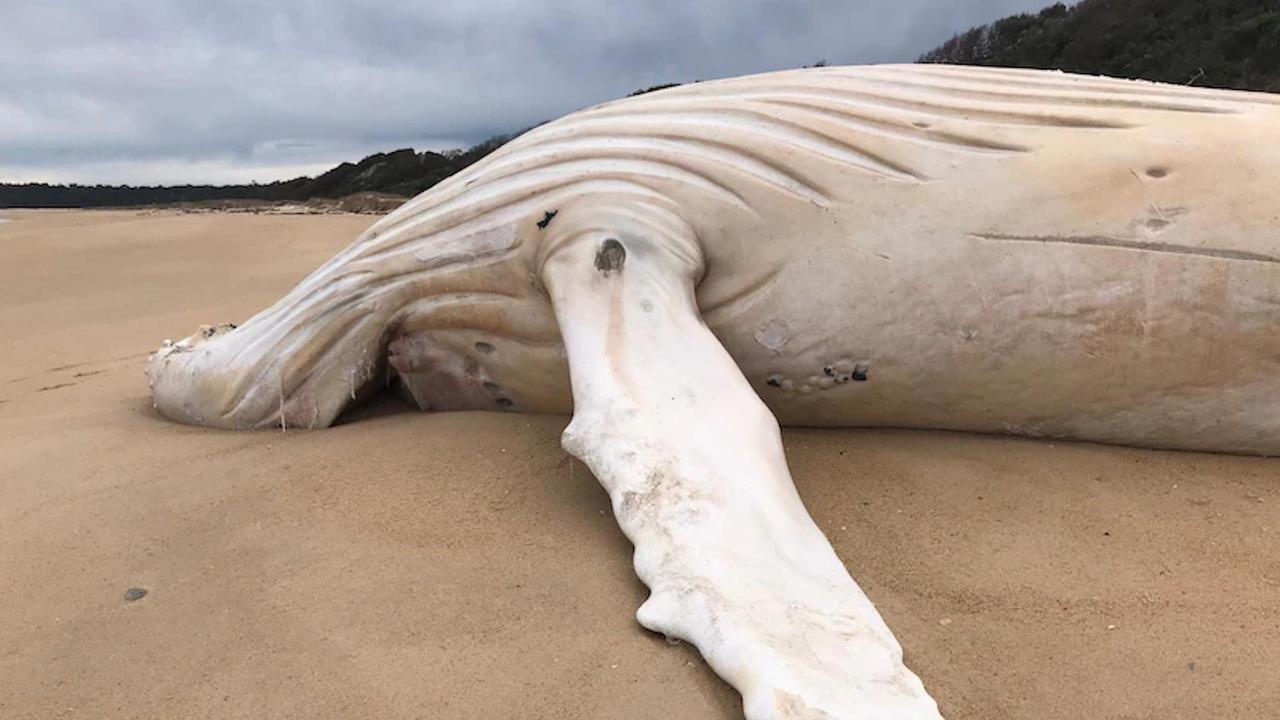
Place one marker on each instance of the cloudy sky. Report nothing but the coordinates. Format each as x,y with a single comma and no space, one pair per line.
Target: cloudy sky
169,91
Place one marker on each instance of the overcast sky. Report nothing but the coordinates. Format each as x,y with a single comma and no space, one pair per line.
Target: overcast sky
169,91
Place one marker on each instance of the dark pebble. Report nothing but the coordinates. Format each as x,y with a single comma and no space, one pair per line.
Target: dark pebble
135,593
860,372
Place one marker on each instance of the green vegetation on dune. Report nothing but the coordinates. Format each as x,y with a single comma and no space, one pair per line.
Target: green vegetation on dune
1213,43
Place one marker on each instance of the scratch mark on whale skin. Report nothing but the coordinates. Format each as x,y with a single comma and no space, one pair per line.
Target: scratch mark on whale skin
1131,244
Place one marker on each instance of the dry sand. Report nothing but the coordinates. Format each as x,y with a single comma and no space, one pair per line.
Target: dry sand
404,565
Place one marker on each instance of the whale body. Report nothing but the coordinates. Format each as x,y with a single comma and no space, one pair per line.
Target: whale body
988,250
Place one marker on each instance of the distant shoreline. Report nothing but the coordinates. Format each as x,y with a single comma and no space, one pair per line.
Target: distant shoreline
199,209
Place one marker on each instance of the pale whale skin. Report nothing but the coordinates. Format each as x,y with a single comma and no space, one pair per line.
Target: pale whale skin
1000,250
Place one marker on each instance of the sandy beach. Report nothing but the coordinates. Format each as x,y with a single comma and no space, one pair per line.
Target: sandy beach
410,565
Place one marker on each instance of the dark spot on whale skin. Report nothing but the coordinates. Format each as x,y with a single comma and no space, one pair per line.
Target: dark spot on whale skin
611,256
546,219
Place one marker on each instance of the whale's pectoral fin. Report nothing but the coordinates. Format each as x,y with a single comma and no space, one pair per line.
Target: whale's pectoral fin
693,463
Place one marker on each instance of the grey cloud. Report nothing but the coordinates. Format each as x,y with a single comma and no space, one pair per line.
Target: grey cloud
116,91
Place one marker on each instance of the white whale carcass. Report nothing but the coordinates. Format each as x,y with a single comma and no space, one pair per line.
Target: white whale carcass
915,246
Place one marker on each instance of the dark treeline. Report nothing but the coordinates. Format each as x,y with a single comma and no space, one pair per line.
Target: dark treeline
402,172
1214,43
1219,43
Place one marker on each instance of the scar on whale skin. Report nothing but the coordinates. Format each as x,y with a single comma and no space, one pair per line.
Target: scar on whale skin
1131,244
773,335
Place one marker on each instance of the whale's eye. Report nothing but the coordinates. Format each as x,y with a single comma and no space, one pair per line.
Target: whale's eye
611,256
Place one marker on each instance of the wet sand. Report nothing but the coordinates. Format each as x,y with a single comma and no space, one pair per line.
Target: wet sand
407,565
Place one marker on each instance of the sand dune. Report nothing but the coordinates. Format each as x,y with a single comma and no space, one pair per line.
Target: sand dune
405,565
